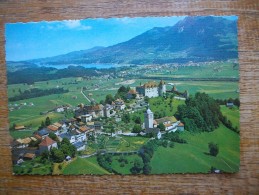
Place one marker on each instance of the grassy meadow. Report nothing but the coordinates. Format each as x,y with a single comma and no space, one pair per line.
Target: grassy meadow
193,158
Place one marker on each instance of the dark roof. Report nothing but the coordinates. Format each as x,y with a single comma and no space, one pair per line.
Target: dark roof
65,135
43,132
78,144
152,130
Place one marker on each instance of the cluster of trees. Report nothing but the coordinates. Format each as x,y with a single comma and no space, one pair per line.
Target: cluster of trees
146,153
126,118
174,137
121,93
35,92
213,149
45,124
35,74
105,161
236,101
201,113
228,124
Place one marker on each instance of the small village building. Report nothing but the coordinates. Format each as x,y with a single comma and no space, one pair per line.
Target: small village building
230,105
53,129
132,94
20,127
47,144
119,104
80,146
169,122
180,127
41,134
86,118
108,110
22,143
59,125
94,110
59,109
29,156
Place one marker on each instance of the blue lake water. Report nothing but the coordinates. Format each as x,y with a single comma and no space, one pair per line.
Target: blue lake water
97,66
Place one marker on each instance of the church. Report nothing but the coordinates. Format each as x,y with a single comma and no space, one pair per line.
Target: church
149,122
152,89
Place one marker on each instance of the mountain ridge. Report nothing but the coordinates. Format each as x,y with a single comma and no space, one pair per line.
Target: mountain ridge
199,38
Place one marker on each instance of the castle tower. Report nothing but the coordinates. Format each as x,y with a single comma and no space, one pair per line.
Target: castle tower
161,88
148,119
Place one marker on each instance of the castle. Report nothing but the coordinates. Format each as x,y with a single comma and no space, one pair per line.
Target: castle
152,89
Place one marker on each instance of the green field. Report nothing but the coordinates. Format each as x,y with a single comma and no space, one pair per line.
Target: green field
192,157
84,166
232,114
33,167
124,168
212,70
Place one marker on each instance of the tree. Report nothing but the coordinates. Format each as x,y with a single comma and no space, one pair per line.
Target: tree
53,136
137,168
57,155
109,99
47,121
161,126
137,120
147,169
136,129
126,118
213,148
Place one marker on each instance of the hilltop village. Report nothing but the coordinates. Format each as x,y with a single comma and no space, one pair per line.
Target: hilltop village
91,120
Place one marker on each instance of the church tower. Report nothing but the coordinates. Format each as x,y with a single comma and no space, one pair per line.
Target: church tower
148,119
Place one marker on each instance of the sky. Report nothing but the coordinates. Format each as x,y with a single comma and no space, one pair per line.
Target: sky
34,40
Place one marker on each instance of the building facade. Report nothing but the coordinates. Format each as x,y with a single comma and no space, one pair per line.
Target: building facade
152,89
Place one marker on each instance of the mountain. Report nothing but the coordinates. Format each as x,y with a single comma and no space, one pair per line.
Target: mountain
66,58
203,38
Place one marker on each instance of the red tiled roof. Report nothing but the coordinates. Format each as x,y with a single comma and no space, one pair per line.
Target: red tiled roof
83,128
37,136
181,125
52,127
132,91
47,142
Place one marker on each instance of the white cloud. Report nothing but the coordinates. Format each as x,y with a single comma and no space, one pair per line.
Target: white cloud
76,24
67,24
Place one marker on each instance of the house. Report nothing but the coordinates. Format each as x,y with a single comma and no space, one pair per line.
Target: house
169,122
19,153
23,143
58,125
86,118
132,94
41,134
79,146
230,105
20,127
53,129
29,156
180,127
152,89
59,109
46,144
119,104
108,110
94,110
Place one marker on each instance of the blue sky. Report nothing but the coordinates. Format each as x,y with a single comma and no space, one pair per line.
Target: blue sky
45,39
